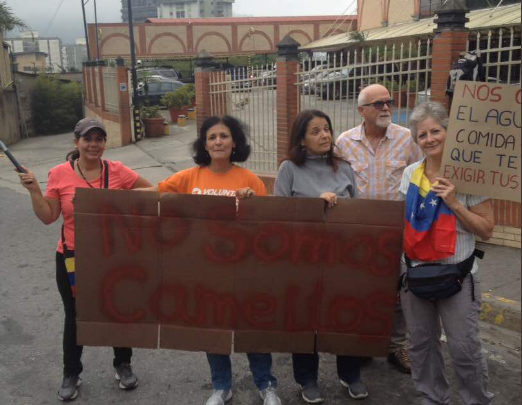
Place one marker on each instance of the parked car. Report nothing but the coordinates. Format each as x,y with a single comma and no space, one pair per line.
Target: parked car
337,84
311,79
151,79
241,77
168,73
154,92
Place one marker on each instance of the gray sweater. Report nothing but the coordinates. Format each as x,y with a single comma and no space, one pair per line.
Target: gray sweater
314,178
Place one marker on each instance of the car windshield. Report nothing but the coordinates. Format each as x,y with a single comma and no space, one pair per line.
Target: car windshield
168,73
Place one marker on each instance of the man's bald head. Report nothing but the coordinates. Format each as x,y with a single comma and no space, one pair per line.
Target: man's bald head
375,117
372,92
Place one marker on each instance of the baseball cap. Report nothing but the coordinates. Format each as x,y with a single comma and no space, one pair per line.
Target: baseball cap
86,124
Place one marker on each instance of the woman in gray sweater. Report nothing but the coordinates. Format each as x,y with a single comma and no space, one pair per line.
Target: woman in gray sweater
314,170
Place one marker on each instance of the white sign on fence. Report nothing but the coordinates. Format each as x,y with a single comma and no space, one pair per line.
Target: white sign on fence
482,149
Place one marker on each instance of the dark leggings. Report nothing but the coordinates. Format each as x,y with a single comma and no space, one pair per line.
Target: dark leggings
72,353
306,368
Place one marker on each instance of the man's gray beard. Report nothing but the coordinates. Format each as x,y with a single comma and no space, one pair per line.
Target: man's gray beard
383,122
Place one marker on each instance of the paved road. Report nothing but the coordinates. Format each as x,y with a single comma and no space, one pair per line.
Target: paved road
30,343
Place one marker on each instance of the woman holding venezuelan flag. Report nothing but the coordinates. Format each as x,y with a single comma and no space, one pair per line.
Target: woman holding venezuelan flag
441,225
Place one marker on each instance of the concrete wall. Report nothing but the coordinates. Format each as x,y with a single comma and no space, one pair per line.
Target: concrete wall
167,38
9,124
375,13
26,84
6,76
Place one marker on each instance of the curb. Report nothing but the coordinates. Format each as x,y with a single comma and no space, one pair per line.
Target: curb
501,312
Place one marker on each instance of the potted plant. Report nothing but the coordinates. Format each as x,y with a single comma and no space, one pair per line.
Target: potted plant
191,93
153,121
177,102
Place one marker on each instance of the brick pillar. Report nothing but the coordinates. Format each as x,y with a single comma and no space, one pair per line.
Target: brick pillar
122,75
449,42
204,67
287,93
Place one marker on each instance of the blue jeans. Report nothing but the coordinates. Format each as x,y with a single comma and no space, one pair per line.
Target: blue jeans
260,365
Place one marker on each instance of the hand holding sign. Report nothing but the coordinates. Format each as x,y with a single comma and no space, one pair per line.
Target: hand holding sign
482,151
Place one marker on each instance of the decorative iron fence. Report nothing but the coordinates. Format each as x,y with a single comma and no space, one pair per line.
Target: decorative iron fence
333,85
251,96
110,89
499,50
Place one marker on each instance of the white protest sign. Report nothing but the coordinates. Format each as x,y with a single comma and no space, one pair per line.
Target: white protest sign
482,149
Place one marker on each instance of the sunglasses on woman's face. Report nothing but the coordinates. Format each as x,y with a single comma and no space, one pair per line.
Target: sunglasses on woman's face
379,105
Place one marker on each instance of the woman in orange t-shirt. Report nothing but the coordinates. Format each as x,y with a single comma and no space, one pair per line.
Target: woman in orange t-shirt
222,142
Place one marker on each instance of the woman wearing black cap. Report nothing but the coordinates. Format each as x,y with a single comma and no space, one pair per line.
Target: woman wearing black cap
84,168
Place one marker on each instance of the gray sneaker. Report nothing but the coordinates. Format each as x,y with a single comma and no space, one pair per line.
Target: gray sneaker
219,397
69,389
356,390
269,396
123,373
312,394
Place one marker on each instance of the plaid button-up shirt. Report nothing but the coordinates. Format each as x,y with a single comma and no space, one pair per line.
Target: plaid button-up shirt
379,172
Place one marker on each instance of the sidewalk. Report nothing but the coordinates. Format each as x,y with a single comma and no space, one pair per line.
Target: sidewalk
157,158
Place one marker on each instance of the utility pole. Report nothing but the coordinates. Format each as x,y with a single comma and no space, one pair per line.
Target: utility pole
135,107
96,27
86,33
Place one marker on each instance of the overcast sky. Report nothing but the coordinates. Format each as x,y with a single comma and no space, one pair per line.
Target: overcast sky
65,21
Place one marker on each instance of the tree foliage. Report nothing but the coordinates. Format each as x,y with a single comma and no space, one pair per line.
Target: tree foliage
8,20
57,106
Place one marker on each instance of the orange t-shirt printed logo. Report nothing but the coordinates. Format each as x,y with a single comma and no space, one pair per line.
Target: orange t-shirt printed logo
213,191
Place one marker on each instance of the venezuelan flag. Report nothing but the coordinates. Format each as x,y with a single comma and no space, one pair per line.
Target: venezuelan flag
430,226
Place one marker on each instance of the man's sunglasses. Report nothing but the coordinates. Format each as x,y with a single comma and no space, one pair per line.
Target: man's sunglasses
379,105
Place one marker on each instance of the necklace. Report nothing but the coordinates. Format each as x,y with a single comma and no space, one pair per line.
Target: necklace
83,176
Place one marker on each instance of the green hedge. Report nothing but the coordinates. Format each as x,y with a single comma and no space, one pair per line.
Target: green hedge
57,106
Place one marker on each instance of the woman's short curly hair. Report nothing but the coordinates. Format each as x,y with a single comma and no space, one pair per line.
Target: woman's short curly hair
239,135
426,110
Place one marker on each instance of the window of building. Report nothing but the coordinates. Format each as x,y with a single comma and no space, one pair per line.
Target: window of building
30,46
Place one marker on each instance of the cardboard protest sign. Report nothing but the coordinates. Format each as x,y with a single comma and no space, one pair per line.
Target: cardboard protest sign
117,267
482,149
278,280
360,277
271,275
197,299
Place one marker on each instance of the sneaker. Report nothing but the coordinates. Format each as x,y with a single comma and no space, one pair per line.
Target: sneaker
356,390
269,396
312,394
123,373
401,360
69,389
219,397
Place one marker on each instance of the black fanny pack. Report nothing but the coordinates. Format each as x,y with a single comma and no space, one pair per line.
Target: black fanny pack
436,281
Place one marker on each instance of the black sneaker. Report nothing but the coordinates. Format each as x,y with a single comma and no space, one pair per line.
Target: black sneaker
69,389
312,394
356,390
126,377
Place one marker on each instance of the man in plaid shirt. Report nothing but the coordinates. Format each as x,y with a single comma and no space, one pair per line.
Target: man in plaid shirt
379,151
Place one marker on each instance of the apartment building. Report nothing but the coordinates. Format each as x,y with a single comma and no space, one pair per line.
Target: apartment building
31,42
75,55
194,8
141,10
